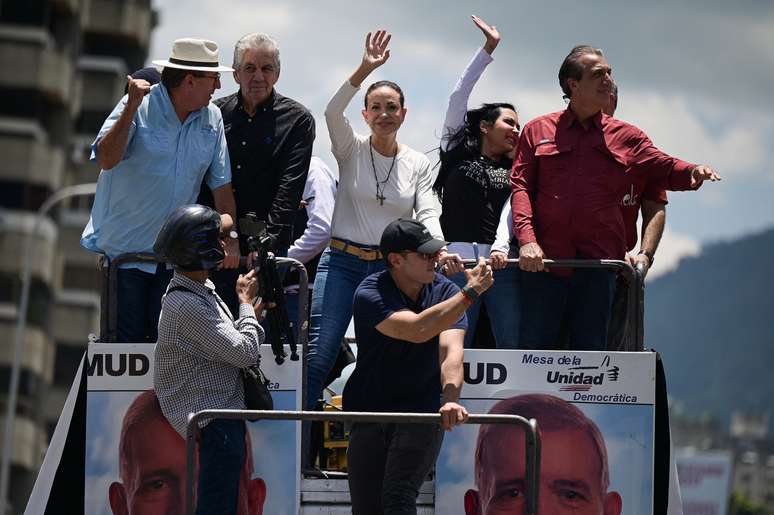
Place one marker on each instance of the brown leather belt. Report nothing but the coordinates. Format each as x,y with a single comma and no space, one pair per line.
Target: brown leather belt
363,253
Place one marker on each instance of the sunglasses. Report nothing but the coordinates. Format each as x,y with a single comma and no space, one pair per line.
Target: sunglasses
215,75
423,255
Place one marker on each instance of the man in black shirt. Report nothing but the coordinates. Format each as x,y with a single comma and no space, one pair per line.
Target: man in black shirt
270,141
409,324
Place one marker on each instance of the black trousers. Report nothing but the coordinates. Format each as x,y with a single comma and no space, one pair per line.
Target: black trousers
387,464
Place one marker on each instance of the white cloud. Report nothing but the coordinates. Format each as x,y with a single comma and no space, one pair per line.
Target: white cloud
698,98
672,249
674,125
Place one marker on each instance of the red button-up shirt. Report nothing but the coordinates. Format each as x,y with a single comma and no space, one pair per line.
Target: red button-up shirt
568,182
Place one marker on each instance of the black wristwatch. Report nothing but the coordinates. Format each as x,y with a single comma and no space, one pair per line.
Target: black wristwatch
233,234
648,254
470,293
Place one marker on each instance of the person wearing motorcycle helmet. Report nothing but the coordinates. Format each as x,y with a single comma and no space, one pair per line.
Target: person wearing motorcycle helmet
201,350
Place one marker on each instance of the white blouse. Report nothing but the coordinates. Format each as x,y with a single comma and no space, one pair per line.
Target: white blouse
358,215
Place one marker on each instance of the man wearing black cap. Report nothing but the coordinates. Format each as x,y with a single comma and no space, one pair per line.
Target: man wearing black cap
409,324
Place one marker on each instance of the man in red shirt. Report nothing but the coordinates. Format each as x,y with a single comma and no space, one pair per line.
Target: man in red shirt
640,196
571,170
651,201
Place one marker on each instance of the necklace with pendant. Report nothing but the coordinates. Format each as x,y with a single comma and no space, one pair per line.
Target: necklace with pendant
380,185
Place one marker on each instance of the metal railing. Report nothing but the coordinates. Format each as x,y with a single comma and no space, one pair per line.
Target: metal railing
635,311
633,339
109,297
530,427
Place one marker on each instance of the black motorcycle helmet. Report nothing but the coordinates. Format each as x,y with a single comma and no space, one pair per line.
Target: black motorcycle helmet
190,239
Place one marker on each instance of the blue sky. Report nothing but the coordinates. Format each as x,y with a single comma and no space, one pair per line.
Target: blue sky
695,75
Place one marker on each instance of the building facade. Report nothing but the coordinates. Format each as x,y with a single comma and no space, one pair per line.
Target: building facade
64,67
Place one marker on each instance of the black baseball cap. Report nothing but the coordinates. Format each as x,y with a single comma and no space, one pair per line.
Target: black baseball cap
406,234
150,74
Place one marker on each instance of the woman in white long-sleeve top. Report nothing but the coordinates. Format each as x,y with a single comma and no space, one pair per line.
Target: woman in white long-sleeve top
380,180
474,185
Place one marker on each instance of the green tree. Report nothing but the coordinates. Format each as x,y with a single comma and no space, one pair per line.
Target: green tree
740,505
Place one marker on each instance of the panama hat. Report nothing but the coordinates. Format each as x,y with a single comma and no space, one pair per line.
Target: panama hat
194,54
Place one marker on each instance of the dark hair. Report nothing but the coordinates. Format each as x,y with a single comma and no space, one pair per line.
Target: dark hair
572,68
466,142
381,83
172,77
614,92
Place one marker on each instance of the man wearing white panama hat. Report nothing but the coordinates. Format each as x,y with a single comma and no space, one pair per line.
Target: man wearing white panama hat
155,149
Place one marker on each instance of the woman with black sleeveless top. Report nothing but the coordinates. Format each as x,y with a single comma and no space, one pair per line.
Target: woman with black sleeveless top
474,186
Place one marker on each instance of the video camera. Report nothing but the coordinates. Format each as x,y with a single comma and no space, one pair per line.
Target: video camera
260,242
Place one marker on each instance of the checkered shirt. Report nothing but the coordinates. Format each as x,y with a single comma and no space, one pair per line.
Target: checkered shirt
200,352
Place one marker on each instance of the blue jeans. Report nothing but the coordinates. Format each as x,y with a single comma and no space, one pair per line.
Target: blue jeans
139,303
221,458
387,465
503,303
582,301
338,276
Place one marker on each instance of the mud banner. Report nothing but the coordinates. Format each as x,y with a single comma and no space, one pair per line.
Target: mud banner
135,461
596,413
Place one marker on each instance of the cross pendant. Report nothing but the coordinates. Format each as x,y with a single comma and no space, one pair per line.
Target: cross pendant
380,198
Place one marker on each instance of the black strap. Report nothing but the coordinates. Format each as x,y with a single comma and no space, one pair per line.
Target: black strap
183,62
222,306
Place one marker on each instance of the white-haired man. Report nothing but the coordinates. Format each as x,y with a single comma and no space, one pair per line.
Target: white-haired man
270,141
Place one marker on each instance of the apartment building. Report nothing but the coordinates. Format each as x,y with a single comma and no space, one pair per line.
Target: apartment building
64,64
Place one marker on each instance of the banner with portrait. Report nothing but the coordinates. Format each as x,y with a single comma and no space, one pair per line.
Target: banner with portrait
596,411
135,461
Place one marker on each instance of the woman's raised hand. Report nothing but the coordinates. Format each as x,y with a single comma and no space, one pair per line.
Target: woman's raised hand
376,51
490,33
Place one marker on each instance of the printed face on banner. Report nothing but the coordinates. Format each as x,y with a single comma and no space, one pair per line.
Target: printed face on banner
152,466
595,413
136,461
573,473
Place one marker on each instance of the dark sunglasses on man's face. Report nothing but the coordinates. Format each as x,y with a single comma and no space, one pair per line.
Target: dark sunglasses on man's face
423,255
215,75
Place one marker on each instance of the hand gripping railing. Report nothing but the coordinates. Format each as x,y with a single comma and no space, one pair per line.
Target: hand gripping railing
531,437
635,312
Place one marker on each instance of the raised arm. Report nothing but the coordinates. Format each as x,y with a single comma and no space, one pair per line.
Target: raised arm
375,54
421,327
342,136
111,147
205,333
458,100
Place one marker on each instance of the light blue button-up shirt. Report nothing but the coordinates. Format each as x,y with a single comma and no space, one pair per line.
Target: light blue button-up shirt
162,168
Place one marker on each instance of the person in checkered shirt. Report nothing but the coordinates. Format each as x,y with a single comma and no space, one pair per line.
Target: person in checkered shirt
201,350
